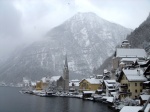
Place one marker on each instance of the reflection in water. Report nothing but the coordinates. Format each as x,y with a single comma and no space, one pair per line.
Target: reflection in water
65,106
12,101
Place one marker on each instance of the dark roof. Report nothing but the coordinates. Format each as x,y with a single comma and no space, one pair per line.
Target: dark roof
120,76
147,71
145,65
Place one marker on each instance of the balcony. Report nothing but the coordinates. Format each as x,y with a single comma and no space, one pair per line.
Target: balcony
124,86
124,92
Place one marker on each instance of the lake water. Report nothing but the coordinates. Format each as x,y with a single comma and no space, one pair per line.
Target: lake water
11,100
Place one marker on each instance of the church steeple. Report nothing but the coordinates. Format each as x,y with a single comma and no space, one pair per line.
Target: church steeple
66,62
66,75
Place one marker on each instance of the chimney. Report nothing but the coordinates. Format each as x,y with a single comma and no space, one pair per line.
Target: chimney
138,72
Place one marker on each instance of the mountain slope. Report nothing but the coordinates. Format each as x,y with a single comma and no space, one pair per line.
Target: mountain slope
86,38
139,38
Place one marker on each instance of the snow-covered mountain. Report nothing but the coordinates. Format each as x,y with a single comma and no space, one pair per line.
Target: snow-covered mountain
86,38
139,38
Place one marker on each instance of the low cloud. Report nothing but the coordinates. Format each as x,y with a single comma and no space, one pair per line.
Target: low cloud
25,21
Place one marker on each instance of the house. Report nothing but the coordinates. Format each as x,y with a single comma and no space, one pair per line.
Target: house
74,85
127,62
125,44
109,86
131,82
90,84
127,53
106,74
87,94
43,84
144,98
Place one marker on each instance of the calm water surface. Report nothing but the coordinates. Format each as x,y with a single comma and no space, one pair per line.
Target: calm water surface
13,101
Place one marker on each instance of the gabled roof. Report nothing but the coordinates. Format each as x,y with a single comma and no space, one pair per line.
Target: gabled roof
144,97
145,65
110,83
129,59
88,92
134,108
134,74
93,80
139,53
75,83
55,78
131,108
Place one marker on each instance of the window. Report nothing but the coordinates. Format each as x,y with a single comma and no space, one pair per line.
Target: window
136,91
129,90
141,84
135,84
141,90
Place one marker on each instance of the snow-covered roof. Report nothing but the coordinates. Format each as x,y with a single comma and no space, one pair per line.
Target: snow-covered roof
142,62
93,81
147,108
99,90
139,53
135,108
55,78
122,63
44,79
99,75
146,82
87,92
113,93
110,83
129,59
144,97
109,99
33,83
131,108
105,71
134,74
75,83
75,80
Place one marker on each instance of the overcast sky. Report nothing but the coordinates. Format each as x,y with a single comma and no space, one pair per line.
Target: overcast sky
27,20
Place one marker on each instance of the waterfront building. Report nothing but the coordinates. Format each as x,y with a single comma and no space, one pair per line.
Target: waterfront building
90,84
74,85
43,84
131,82
109,86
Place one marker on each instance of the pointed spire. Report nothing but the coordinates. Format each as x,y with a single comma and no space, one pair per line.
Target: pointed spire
66,62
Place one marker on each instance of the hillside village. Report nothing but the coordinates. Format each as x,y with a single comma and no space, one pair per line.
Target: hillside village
124,87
